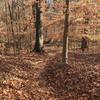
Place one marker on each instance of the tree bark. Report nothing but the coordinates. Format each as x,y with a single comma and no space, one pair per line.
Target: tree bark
12,29
38,24
65,35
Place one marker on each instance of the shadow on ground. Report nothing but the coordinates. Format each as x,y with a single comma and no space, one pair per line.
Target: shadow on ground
18,78
37,77
79,81
87,58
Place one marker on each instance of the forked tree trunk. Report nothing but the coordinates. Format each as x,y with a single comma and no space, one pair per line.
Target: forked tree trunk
65,35
38,24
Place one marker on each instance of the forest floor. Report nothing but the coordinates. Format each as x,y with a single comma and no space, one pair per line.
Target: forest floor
42,76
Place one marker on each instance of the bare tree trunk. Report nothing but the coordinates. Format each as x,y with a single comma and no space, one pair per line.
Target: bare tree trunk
11,22
5,51
38,24
65,35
